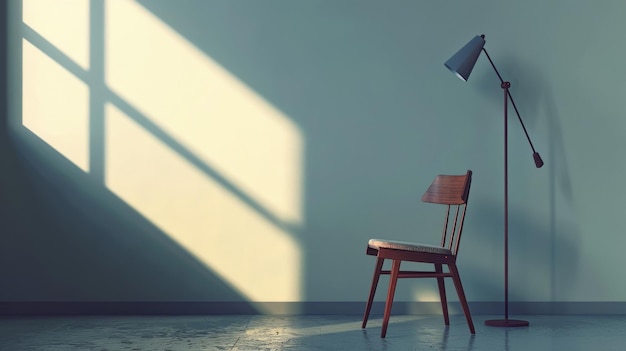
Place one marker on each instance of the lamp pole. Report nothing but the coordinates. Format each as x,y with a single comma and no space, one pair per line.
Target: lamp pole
506,322
506,86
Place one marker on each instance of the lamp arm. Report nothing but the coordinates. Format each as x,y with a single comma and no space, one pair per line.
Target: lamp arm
536,157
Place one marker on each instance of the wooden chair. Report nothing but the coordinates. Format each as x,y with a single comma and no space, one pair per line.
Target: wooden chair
449,190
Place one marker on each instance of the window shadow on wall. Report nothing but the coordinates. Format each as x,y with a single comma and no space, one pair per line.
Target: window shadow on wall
92,243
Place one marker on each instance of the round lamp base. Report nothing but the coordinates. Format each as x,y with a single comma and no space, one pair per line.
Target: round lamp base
506,323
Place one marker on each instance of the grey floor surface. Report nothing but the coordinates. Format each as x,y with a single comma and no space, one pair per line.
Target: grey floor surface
306,333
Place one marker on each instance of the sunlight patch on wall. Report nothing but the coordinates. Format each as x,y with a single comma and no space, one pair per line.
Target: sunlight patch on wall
257,258
64,23
55,105
225,126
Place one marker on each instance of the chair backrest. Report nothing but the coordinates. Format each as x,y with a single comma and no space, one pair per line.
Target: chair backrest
452,191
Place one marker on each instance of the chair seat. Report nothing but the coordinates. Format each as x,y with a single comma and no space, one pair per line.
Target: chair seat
408,246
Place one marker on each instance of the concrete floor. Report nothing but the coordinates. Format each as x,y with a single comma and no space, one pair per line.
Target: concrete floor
304,333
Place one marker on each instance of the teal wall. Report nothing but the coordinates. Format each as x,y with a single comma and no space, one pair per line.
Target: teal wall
377,116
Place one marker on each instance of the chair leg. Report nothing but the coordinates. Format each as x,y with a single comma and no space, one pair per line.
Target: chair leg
370,300
395,272
442,294
459,290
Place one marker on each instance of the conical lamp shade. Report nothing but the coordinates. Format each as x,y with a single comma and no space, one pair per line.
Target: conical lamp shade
463,61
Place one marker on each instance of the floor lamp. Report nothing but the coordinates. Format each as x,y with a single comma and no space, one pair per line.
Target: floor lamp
462,64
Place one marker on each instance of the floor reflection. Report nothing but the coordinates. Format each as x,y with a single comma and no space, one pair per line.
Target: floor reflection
305,333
